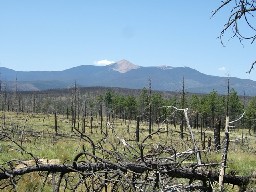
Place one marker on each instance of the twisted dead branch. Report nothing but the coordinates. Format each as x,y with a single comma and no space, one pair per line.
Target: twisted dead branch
122,166
241,13
163,169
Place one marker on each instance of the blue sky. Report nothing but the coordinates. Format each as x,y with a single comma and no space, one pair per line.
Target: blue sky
60,34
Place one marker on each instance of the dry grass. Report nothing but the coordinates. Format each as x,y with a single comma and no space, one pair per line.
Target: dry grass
35,133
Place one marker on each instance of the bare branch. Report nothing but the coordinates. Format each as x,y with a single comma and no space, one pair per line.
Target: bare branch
237,119
136,168
240,12
252,67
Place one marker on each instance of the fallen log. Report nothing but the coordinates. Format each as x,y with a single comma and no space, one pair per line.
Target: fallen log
171,171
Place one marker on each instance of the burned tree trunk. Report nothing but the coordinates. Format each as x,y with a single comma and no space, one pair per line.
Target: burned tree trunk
171,171
138,129
217,135
55,124
101,119
224,156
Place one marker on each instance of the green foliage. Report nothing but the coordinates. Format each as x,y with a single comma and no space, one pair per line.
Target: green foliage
44,143
194,103
68,144
250,114
235,105
214,104
130,104
108,99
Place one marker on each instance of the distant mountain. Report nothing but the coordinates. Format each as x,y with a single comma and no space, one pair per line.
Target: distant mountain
123,66
124,74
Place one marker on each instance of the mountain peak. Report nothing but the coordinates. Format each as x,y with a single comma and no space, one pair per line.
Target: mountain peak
123,66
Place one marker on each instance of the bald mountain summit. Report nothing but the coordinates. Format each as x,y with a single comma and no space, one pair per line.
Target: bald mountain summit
124,74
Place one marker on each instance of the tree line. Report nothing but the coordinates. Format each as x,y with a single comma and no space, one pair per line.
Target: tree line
205,110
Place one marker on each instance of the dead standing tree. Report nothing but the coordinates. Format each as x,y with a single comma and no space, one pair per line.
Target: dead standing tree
107,165
100,168
226,143
225,153
185,114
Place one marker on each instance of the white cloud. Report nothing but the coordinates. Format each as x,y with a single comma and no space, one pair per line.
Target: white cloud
222,69
103,62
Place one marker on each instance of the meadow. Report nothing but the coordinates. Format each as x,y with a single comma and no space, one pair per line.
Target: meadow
52,151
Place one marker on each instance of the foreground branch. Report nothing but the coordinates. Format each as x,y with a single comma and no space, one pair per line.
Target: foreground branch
163,169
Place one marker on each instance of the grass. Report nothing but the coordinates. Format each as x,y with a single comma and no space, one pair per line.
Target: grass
242,163
35,133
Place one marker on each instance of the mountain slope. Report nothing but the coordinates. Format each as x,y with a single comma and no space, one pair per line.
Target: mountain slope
123,66
126,75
